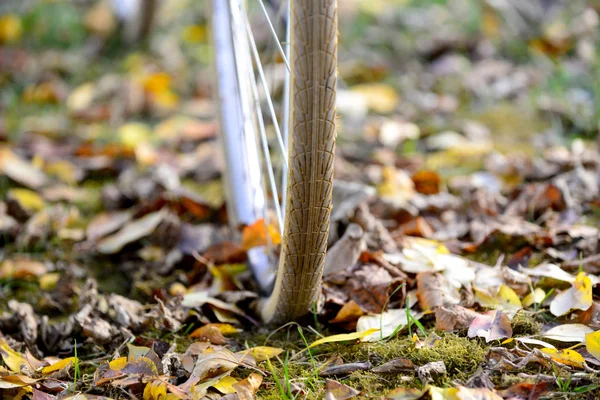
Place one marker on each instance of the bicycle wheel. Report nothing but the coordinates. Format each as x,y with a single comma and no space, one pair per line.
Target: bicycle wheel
310,152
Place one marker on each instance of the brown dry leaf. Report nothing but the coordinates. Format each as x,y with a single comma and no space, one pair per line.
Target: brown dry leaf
247,388
492,325
350,311
256,235
454,317
339,391
225,253
20,268
213,333
212,363
427,182
395,366
133,370
131,232
433,290
263,353
526,390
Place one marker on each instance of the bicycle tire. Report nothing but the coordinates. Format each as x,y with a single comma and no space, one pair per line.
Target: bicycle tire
311,155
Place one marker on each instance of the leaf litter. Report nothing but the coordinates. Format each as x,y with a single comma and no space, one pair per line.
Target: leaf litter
464,241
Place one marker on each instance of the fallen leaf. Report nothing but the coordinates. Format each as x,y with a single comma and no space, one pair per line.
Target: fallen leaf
134,369
528,340
20,268
427,182
592,343
380,98
214,333
568,333
263,353
433,290
454,317
247,388
578,297
59,365
11,28
225,384
350,311
567,356
492,325
505,299
130,233
255,235
15,381
339,391
28,200
526,390
405,394
395,366
385,324
344,337
536,297
106,223
550,271
133,134
465,393
12,359
155,390
443,394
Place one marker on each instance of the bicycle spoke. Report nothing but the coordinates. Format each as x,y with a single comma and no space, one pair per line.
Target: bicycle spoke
263,80
286,112
260,119
272,28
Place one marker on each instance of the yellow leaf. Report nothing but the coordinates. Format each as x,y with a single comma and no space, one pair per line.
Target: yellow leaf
27,199
262,353
49,281
194,34
509,298
344,337
536,297
134,352
578,297
506,299
133,134
165,99
225,385
81,97
63,170
443,393
12,359
57,366
380,98
592,343
118,363
157,83
256,235
567,357
155,390
10,28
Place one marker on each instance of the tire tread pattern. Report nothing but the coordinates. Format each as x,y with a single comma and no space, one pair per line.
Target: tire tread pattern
310,179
